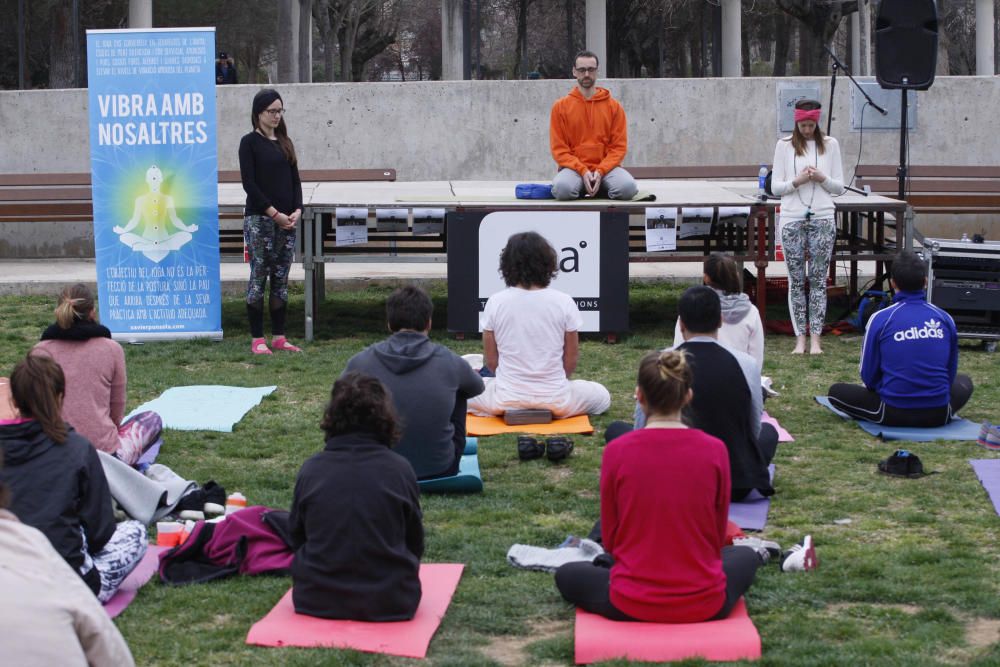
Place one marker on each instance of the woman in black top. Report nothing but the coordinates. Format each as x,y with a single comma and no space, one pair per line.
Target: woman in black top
270,176
355,522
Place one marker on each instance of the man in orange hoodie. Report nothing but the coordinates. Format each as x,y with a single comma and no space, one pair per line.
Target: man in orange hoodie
588,138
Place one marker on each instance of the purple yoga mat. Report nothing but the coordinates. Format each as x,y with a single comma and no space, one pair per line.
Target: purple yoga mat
751,512
138,577
988,472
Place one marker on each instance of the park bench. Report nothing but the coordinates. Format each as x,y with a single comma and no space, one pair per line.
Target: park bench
936,189
66,197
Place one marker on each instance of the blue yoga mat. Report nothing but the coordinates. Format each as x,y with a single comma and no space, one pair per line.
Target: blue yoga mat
988,472
956,429
467,480
205,407
751,512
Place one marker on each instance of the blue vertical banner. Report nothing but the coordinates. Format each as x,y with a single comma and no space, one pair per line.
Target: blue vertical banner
154,173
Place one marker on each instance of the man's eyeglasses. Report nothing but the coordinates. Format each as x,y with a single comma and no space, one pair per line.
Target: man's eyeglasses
586,70
273,113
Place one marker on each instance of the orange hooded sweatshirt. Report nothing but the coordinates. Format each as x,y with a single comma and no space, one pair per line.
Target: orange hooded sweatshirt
585,135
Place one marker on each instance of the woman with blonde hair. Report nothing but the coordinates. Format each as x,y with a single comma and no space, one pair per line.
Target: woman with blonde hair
94,366
664,511
808,173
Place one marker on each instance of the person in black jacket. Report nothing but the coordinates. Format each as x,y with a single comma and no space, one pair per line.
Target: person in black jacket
57,483
270,174
355,523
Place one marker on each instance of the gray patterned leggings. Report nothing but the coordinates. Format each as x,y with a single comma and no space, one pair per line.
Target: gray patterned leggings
118,557
814,238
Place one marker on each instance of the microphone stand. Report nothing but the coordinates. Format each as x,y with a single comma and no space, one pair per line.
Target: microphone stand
833,82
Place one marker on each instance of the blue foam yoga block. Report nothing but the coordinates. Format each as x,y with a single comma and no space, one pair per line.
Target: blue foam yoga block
466,481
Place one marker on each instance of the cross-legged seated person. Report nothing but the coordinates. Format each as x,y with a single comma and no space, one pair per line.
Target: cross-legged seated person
530,339
355,520
588,137
664,508
909,359
727,399
430,385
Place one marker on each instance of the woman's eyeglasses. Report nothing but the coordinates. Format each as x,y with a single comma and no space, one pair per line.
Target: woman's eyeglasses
274,113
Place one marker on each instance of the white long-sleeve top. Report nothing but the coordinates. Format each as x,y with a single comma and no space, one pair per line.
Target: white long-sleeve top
817,196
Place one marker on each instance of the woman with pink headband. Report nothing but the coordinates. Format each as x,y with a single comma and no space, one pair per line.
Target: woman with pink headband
807,175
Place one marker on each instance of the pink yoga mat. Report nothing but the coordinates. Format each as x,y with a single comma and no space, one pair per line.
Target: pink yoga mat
783,435
136,579
733,638
410,639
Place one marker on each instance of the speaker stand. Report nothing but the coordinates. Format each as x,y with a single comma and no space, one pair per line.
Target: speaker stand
901,171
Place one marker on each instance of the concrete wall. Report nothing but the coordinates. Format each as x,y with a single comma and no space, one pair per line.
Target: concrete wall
485,130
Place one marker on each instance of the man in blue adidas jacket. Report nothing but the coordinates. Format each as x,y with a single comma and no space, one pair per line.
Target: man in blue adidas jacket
909,359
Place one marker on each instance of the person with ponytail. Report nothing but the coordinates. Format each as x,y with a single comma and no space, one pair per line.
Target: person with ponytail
49,616
270,174
741,327
94,367
664,512
57,483
808,173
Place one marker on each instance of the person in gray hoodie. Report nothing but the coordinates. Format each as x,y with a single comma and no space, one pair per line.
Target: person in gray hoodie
430,385
742,329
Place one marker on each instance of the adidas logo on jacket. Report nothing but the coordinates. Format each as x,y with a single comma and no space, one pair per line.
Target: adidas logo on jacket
910,353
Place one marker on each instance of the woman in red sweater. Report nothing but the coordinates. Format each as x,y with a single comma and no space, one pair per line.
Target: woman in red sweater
664,509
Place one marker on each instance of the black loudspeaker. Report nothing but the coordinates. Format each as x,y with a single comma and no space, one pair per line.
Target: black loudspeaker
906,43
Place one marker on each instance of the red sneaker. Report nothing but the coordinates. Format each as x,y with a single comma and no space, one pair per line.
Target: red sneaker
259,346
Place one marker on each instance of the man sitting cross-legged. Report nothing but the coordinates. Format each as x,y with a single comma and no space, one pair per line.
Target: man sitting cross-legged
909,359
430,385
727,400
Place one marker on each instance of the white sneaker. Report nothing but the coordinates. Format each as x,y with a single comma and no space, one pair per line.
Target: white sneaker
801,557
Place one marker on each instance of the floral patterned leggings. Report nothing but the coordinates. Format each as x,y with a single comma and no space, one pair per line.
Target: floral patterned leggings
813,239
271,251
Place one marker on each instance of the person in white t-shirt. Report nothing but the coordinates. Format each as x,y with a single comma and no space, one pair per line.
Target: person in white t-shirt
531,340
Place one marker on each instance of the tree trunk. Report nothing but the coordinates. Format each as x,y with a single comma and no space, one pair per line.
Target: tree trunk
520,64
570,49
305,41
62,57
782,44
745,48
286,65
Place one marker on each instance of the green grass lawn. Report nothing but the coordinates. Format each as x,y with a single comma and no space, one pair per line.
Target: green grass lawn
911,579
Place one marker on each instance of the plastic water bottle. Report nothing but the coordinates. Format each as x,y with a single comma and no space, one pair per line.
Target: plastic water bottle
762,182
965,238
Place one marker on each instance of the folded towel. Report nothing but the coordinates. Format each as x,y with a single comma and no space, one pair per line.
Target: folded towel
548,560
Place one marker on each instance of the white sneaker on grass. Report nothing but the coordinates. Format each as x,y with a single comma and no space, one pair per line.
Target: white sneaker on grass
801,557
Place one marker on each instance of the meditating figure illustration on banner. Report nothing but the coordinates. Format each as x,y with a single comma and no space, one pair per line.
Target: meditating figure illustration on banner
153,210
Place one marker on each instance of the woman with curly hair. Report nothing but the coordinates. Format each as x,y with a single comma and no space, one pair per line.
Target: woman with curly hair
531,340
356,523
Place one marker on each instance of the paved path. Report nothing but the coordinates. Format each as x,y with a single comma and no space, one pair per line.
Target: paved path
48,276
